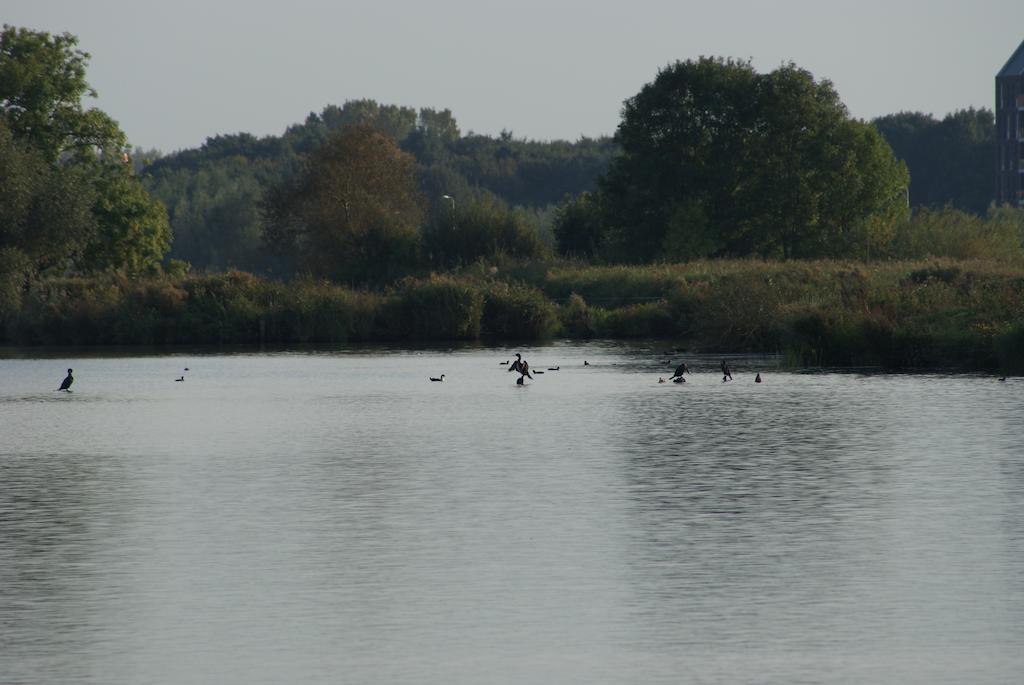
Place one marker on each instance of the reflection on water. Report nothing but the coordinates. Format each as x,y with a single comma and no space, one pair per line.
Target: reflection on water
326,517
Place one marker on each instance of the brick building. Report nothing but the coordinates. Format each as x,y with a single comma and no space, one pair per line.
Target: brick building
1010,131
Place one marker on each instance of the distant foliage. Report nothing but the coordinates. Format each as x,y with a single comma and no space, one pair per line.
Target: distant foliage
515,311
720,160
482,230
579,226
353,213
897,315
212,193
948,232
951,161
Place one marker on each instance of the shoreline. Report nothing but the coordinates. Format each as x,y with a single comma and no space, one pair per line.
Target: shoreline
939,314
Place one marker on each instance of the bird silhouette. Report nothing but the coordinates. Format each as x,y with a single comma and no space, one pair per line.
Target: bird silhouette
680,370
438,380
66,383
179,380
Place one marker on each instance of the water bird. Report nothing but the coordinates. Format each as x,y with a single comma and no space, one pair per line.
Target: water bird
186,368
726,372
661,380
554,368
1003,378
437,380
66,383
179,380
586,363
757,378
503,363
680,370
538,371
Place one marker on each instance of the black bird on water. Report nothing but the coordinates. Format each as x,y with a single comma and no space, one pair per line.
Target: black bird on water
66,384
680,370
179,380
438,380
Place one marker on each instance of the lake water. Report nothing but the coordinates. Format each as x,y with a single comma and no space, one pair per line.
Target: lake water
335,517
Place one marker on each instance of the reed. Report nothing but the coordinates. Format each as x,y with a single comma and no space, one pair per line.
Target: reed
897,315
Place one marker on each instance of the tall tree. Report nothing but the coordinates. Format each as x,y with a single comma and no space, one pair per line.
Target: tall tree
77,155
720,160
42,83
45,209
353,213
951,160
133,232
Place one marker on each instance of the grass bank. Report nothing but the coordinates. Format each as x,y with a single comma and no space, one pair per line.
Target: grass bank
897,315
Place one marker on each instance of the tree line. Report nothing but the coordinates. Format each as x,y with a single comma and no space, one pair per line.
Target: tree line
711,159
571,197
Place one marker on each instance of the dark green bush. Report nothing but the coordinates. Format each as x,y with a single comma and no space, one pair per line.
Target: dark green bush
515,311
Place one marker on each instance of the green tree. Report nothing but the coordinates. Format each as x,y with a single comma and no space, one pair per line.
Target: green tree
61,158
353,213
45,209
720,160
483,228
951,160
42,83
579,226
133,232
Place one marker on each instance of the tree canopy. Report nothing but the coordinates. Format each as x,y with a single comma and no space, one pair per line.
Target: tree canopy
354,212
42,83
951,160
718,159
45,209
71,202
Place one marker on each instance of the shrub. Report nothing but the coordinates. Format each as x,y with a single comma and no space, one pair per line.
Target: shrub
517,312
439,308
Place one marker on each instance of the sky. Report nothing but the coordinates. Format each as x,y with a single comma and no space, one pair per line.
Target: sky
174,73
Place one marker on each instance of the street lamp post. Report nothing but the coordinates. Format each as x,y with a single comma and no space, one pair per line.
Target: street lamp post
452,200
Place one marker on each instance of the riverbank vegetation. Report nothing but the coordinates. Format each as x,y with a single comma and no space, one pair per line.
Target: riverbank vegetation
895,315
732,211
